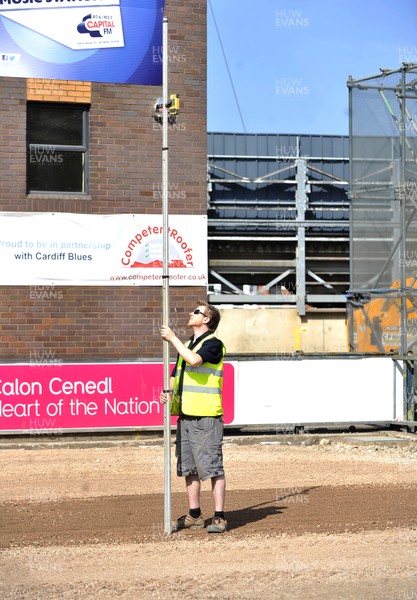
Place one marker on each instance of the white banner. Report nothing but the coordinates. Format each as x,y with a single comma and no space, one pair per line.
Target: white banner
114,250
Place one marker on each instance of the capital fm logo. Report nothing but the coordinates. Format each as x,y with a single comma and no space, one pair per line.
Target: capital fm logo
96,26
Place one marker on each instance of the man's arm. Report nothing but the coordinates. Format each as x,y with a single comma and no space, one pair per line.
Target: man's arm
192,358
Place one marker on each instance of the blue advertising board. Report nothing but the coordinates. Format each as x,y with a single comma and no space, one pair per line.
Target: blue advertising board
109,41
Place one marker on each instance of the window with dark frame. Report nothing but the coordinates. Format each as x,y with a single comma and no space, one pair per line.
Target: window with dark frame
57,148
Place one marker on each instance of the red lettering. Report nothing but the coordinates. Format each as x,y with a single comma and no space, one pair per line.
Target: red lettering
98,24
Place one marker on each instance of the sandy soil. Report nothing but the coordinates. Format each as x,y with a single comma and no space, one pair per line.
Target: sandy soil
329,517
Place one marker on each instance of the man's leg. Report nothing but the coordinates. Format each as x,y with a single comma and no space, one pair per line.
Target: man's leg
192,483
218,523
194,519
186,464
218,486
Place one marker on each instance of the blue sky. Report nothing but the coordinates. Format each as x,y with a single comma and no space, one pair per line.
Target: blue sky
290,60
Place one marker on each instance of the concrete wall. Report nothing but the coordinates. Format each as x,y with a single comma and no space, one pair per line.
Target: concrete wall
281,330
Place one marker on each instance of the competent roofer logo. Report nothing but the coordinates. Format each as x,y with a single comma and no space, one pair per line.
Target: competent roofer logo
97,26
145,250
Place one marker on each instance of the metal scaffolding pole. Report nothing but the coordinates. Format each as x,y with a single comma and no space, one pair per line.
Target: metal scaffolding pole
301,203
165,284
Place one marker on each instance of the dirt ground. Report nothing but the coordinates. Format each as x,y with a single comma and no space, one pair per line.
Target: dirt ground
330,516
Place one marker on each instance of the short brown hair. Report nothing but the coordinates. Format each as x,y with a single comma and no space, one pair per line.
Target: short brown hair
213,314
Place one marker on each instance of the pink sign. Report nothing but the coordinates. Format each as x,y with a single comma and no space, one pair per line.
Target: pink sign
34,398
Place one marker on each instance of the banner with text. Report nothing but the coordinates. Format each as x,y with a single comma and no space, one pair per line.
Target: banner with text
111,41
44,396
115,250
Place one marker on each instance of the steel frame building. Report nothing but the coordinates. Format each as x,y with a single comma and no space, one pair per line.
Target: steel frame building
278,220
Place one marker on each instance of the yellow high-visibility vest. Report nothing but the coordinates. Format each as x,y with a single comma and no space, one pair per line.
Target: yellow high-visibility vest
201,386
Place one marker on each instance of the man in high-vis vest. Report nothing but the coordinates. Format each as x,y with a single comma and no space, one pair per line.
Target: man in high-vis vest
196,396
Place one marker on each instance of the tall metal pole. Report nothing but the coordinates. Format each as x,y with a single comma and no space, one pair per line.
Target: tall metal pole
403,217
301,203
165,282
403,247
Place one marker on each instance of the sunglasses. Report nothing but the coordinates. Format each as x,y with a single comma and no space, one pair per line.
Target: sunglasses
197,311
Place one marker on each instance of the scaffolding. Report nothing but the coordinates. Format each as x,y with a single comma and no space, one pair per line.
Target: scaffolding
278,217
382,300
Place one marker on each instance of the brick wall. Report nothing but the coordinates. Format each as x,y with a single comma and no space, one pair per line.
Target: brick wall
105,323
51,90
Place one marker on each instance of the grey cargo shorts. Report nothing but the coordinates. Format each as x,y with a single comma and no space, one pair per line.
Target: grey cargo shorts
199,446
